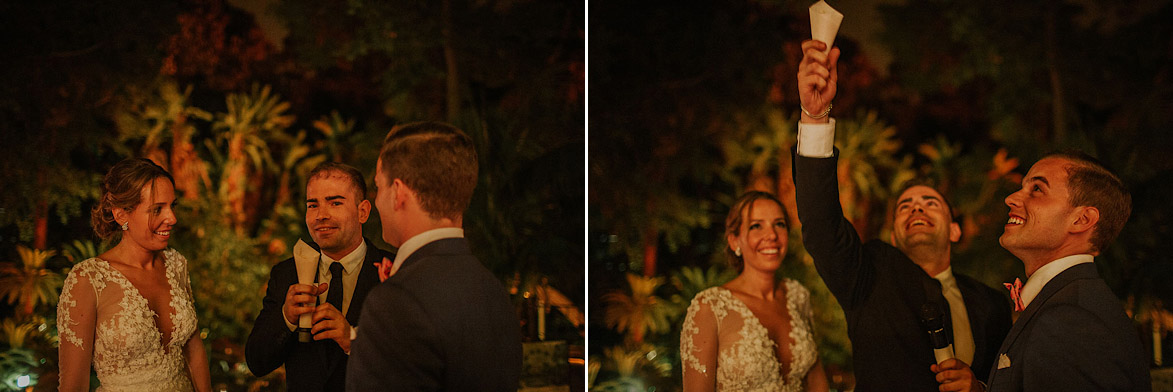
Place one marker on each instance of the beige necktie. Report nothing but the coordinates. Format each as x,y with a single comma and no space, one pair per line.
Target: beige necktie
962,335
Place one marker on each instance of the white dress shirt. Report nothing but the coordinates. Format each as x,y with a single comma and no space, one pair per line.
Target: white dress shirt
1036,281
963,346
415,243
816,140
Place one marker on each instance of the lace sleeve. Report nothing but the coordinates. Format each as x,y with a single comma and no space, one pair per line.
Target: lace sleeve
698,346
804,304
77,315
184,275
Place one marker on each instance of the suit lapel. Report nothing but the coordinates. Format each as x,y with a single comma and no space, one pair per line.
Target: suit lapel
1076,272
368,277
438,247
976,310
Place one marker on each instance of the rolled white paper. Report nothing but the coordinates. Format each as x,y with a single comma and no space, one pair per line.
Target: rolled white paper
825,23
305,258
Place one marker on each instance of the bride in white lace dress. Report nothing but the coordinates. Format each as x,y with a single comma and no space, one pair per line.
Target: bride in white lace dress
128,312
753,333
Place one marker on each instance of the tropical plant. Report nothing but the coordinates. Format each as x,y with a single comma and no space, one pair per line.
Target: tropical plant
339,133
30,282
689,281
79,250
633,368
639,312
251,121
154,116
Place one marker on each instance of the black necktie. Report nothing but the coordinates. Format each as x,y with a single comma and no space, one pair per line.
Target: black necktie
334,292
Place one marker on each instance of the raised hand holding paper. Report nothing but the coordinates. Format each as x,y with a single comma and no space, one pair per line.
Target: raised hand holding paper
305,257
824,23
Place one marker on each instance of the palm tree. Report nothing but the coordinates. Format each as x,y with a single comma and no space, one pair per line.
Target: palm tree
641,311
30,282
250,122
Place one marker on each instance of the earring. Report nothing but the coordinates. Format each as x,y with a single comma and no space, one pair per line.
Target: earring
735,251
125,225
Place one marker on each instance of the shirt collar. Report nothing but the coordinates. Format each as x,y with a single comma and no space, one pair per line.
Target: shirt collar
1044,274
946,278
350,262
415,243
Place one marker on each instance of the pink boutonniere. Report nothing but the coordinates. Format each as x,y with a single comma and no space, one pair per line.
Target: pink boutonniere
1016,294
384,269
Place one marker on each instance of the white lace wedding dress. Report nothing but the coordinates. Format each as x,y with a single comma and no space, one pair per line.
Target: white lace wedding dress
747,359
121,334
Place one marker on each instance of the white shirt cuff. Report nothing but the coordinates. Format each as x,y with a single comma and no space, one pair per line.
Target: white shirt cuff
286,320
816,140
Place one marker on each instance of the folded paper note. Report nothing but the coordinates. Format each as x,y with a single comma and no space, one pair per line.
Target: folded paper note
305,258
825,23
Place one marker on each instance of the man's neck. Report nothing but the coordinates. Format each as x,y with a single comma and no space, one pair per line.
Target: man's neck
338,255
423,224
932,260
1033,259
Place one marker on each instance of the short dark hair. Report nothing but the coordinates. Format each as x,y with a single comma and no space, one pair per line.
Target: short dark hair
436,160
920,181
122,187
350,172
1093,184
741,208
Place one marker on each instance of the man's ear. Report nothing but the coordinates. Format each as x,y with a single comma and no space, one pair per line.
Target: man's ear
1085,218
364,211
400,195
954,232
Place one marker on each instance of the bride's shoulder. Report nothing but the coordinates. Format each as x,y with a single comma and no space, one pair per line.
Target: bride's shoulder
92,269
711,296
796,290
170,254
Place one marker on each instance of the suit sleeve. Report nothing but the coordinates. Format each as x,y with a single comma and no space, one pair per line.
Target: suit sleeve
397,344
827,235
1072,349
270,340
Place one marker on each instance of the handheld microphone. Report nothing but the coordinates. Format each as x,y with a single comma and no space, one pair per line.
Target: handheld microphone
933,320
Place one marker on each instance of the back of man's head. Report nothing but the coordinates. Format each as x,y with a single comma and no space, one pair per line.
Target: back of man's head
1093,184
437,161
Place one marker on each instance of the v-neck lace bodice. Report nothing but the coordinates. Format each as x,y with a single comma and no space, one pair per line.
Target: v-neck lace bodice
127,347
746,357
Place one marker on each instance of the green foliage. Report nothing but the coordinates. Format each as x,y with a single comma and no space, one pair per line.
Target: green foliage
632,368
690,281
30,283
639,311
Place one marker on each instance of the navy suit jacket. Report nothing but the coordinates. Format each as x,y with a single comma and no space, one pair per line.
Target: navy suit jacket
1074,336
881,291
317,365
442,323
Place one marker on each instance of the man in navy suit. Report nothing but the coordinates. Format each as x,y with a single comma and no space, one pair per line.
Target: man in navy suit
881,286
441,321
336,208
1073,334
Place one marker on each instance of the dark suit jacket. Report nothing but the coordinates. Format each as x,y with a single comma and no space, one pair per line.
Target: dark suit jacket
314,366
881,291
1074,336
442,323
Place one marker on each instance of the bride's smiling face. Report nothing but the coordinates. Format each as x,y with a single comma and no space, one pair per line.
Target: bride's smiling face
150,222
763,237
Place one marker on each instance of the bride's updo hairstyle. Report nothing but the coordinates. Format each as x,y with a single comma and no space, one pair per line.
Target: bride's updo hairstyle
122,188
741,208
